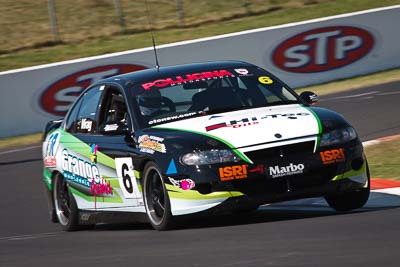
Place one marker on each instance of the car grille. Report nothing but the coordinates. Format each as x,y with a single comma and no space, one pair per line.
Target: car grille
304,148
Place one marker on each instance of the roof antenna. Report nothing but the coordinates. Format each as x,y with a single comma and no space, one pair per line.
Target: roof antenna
152,35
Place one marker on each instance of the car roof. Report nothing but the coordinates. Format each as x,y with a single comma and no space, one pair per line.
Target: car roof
154,74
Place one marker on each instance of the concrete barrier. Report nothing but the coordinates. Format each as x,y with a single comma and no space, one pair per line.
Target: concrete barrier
303,53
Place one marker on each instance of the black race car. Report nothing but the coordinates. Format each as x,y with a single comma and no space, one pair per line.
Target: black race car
206,137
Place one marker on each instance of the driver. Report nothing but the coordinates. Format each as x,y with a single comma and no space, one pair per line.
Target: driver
150,103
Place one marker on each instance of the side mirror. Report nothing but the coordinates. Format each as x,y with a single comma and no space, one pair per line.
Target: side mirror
50,126
114,129
309,98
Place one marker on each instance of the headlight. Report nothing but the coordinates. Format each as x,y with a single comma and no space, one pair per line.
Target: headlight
338,136
209,157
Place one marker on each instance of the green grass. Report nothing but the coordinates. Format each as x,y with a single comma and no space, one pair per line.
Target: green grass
90,27
22,140
384,159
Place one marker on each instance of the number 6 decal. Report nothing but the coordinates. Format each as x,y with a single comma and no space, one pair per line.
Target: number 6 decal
126,178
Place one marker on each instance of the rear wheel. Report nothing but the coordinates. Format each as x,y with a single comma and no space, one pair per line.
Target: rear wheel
156,198
65,205
350,200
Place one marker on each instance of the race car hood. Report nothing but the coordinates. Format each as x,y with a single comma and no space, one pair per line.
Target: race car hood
251,127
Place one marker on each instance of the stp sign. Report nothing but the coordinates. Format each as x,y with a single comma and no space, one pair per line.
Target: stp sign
323,49
57,98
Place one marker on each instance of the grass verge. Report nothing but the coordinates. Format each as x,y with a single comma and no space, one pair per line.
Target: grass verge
22,140
210,24
384,159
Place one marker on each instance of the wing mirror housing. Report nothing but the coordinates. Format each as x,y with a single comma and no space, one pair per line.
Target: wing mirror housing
309,98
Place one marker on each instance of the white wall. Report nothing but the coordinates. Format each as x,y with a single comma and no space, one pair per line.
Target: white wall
309,52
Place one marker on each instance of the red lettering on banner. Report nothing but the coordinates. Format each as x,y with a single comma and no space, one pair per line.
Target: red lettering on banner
161,83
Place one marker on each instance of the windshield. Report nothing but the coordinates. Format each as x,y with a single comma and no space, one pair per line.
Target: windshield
187,95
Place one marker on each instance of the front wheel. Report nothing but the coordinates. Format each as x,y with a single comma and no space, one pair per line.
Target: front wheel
350,200
156,198
65,205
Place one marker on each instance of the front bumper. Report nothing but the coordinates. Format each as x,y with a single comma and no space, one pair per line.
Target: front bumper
261,184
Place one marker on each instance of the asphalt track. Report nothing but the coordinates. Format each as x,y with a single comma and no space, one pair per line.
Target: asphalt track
305,233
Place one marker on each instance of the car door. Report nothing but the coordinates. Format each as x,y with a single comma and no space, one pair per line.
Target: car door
93,158
114,138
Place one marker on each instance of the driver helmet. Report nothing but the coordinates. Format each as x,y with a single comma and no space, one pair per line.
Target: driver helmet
149,102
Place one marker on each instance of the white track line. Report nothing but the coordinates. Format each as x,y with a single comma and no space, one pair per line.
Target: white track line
351,96
19,149
32,236
390,93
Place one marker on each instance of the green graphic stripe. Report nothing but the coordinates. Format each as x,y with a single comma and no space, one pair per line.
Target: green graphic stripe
112,199
114,183
345,175
175,192
319,124
71,142
237,152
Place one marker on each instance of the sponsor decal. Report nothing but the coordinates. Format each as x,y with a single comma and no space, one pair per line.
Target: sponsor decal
50,160
85,216
252,121
265,80
234,124
181,116
86,125
93,153
172,81
258,168
150,144
323,49
56,98
184,184
214,117
233,172
128,181
110,127
241,71
332,156
79,170
172,167
292,169
103,188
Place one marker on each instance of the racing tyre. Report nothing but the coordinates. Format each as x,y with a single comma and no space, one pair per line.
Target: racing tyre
156,200
350,200
65,205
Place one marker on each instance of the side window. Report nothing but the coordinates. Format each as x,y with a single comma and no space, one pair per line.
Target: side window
70,122
86,118
114,117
